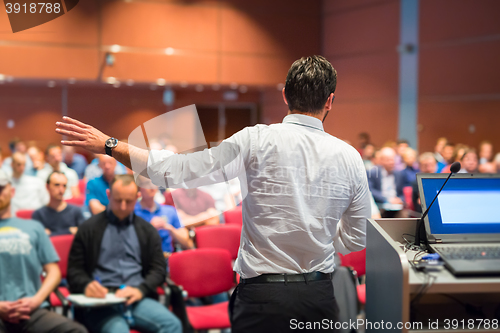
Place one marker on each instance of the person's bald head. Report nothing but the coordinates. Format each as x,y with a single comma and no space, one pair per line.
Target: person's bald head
18,164
107,165
387,158
427,163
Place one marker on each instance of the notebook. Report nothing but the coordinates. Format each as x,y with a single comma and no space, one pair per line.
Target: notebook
463,225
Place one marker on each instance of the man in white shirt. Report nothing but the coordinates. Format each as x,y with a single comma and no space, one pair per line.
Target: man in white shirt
30,192
306,198
53,155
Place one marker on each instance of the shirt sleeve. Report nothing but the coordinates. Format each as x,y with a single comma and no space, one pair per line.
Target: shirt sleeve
173,218
45,249
37,216
351,229
210,166
90,192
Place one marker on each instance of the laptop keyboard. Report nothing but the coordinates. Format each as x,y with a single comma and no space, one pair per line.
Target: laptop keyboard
469,252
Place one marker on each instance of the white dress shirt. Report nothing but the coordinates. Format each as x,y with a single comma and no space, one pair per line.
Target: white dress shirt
31,193
305,193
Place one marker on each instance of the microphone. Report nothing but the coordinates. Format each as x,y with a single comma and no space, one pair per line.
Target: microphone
420,230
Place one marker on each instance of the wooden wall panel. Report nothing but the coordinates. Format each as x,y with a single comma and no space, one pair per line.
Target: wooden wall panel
150,67
49,62
444,20
459,85
364,30
452,119
460,69
156,25
360,39
34,112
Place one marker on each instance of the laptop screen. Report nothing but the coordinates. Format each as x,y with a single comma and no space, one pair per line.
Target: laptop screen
467,204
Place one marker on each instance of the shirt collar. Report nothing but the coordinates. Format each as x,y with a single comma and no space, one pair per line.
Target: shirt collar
139,206
114,220
303,120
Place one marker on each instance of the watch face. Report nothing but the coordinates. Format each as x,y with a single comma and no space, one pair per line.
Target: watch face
111,142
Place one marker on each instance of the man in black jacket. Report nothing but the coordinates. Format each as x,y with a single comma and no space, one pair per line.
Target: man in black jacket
117,251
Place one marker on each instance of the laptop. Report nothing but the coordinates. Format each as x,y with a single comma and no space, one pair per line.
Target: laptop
463,224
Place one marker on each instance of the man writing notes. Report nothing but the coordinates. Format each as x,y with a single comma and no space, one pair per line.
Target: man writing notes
307,197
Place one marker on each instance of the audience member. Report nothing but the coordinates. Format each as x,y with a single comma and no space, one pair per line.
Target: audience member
376,158
401,146
93,171
19,146
117,251
58,217
368,155
38,159
363,141
497,162
225,195
25,253
53,155
485,152
447,154
470,162
30,192
96,198
194,207
458,153
74,161
427,164
411,165
163,217
386,184
488,167
438,149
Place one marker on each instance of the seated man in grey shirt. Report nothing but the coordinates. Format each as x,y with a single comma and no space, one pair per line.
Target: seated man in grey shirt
117,251
58,217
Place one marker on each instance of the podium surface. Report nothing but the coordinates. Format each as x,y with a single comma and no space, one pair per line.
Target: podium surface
398,294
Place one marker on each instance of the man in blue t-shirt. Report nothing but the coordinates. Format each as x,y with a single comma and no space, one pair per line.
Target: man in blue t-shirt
163,217
96,198
25,252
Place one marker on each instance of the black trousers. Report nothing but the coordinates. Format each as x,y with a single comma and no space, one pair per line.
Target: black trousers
280,307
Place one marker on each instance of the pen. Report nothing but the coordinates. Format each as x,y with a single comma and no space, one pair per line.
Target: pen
97,279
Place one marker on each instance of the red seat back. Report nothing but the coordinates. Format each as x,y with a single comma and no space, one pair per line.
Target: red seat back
408,194
202,272
62,244
24,213
220,236
234,216
78,201
82,185
356,260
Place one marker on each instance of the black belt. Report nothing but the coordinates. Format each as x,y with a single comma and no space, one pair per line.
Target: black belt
286,278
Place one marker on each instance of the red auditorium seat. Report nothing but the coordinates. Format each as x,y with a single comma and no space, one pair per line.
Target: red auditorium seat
62,245
408,195
204,272
234,216
24,214
82,185
78,201
220,236
357,260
